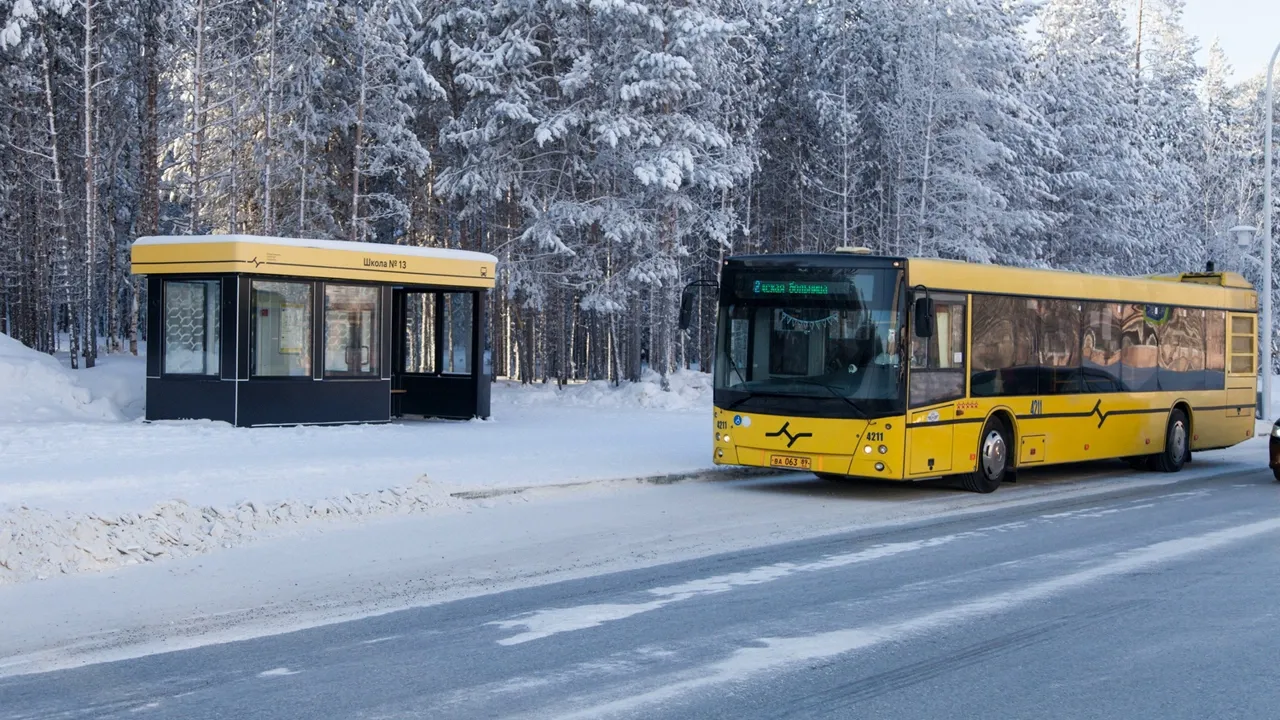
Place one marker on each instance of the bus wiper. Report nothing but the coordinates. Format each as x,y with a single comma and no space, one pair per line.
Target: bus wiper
834,391
754,394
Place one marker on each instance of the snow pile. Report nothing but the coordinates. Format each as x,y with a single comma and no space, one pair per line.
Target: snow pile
688,391
120,379
36,544
34,387
77,495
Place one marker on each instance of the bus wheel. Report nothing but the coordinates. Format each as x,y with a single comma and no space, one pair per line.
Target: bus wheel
1175,444
993,459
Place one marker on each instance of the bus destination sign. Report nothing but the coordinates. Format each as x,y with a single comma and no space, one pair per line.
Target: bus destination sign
791,287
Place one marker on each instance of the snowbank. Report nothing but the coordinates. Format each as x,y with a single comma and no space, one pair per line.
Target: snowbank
80,494
686,391
36,544
34,387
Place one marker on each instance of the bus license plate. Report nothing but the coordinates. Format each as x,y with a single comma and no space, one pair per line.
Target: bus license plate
789,461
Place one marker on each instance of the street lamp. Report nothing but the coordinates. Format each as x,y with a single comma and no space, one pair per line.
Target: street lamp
1244,235
1266,242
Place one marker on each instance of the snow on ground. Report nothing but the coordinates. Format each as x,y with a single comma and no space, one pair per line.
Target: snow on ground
35,388
85,486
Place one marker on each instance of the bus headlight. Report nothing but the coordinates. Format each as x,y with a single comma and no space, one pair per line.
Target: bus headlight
879,467
867,449
883,449
726,437
1275,431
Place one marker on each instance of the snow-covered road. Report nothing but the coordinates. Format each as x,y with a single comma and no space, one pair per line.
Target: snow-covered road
331,571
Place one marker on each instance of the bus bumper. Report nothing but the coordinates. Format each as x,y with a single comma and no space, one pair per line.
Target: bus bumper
844,447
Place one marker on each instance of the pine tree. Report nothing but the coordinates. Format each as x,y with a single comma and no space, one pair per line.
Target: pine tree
1171,120
1084,77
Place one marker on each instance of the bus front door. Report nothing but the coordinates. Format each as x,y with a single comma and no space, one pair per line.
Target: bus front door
930,440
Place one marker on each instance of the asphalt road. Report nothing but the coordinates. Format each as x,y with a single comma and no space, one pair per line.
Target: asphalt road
1156,602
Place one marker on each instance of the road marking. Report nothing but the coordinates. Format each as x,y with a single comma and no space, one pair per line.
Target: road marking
775,654
544,623
277,672
552,621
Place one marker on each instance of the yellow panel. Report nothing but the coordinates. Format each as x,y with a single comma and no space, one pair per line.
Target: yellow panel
832,445
1032,450
945,275
931,437
362,261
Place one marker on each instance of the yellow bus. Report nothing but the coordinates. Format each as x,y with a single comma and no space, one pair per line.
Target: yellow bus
855,365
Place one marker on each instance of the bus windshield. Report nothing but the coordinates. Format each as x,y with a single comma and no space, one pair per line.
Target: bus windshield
818,342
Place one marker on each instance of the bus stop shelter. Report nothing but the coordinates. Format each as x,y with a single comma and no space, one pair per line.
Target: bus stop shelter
259,331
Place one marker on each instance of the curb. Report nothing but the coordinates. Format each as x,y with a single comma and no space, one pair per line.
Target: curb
740,473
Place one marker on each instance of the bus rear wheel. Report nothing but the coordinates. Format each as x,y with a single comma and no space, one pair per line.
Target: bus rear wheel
993,459
1176,444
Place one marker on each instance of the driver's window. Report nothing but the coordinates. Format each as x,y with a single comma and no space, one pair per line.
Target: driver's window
937,362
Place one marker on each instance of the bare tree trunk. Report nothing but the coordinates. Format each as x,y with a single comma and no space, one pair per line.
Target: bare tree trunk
928,145
302,176
635,363
197,110
233,153
359,129
268,219
113,285
62,250
149,203
90,193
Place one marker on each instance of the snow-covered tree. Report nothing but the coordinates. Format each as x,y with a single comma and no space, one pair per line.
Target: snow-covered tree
1170,121
1085,79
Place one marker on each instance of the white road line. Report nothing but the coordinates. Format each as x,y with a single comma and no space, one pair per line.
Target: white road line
553,621
776,654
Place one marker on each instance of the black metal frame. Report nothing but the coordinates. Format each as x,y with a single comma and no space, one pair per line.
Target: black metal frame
237,397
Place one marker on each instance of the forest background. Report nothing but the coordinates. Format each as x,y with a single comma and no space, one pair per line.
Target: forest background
608,151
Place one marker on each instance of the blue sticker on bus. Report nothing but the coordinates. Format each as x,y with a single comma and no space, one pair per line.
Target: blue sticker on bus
737,419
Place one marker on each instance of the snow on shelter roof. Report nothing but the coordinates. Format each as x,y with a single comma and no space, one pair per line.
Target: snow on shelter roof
330,259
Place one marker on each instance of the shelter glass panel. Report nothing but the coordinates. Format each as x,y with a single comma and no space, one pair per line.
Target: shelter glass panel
192,337
352,328
420,333
457,310
282,329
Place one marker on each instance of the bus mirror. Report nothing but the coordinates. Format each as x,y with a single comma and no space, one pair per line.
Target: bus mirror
686,308
923,320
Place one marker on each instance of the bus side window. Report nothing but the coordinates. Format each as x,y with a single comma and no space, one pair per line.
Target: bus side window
1005,346
937,362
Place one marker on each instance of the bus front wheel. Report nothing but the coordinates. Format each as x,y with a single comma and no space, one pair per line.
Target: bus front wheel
1176,445
993,459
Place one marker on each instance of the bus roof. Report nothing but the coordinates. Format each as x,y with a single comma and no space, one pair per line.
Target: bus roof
1217,290
1225,290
